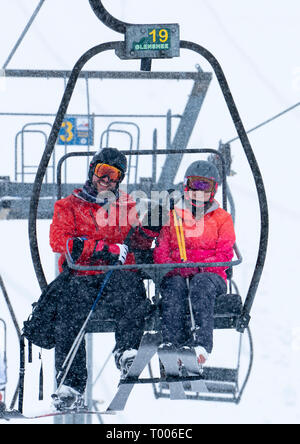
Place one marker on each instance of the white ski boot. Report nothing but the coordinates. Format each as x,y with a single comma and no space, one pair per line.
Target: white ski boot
202,355
124,360
67,398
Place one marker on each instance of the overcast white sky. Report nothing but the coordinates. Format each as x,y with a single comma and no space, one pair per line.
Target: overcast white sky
256,43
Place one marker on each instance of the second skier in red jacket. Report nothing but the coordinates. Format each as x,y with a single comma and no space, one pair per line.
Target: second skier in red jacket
207,235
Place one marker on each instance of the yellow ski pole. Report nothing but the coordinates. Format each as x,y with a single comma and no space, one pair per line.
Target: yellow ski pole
182,250
178,234
182,240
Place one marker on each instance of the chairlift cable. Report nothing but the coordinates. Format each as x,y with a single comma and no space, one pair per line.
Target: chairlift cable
23,34
267,121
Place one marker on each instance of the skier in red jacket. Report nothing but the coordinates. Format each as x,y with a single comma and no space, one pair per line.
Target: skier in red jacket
92,224
207,236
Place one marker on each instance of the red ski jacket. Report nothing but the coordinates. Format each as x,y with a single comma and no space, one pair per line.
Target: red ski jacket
75,217
209,239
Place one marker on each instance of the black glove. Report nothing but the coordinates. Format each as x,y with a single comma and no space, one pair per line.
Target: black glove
159,215
78,245
110,253
154,219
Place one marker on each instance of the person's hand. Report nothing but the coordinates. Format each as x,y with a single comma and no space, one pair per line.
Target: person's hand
155,218
78,245
159,215
110,253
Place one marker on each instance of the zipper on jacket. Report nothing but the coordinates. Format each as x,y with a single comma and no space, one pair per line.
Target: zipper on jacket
94,220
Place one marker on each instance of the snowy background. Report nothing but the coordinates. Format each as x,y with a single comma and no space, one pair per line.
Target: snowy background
257,45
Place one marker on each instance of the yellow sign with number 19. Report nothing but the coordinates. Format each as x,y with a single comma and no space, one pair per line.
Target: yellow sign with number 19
163,35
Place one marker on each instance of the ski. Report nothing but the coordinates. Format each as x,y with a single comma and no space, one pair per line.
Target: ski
146,351
15,414
191,366
168,356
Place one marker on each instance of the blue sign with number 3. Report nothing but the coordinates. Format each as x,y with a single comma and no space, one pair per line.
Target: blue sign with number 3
76,131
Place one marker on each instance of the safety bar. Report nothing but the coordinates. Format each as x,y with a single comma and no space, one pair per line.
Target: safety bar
168,267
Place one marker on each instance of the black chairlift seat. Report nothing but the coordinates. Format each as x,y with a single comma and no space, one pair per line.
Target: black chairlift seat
228,309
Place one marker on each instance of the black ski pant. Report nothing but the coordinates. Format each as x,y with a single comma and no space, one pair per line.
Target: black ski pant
123,300
176,319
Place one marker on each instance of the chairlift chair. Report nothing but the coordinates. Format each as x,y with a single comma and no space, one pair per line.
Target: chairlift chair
231,311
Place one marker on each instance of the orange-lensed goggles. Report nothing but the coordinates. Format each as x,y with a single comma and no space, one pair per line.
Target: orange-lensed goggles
113,173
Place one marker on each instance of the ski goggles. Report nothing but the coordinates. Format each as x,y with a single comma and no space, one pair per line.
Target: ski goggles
113,173
197,183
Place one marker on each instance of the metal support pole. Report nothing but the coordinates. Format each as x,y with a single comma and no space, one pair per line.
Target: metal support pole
169,129
88,114
184,131
89,386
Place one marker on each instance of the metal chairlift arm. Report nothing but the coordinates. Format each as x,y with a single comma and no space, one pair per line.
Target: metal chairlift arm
106,18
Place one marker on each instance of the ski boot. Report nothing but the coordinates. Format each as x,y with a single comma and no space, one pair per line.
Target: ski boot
202,355
67,398
192,359
124,360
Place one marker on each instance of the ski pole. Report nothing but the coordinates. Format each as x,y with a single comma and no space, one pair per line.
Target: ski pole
74,348
178,235
10,308
193,329
184,259
73,351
